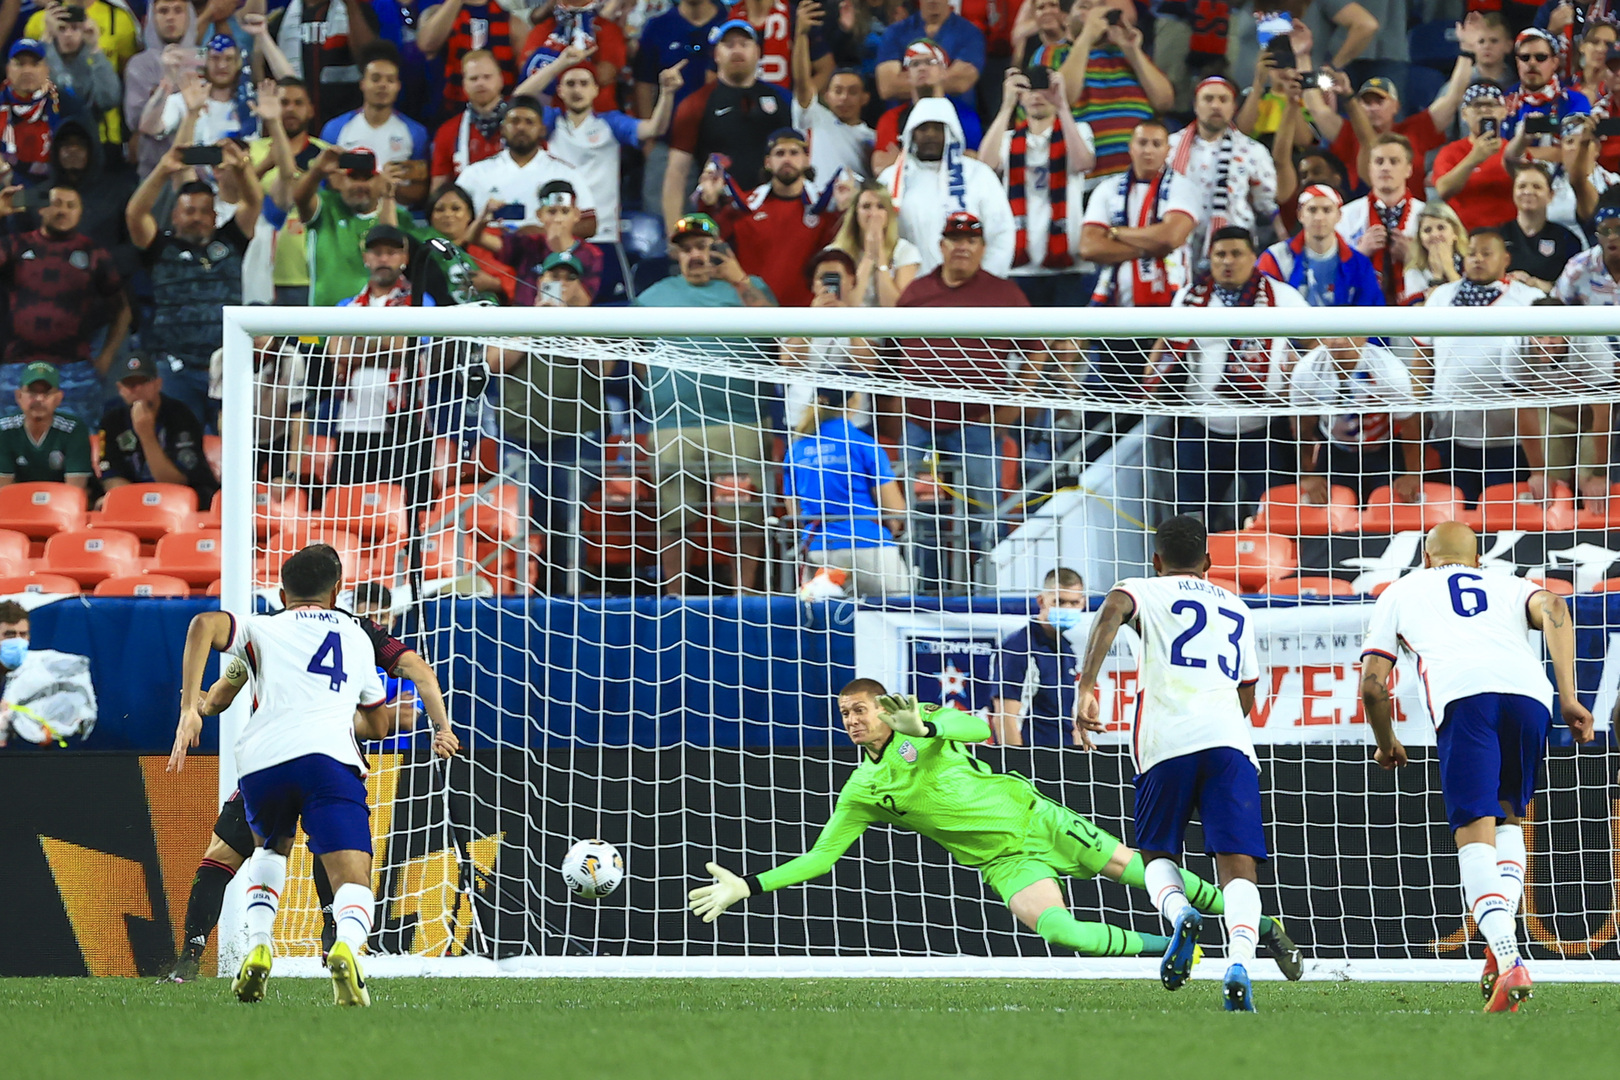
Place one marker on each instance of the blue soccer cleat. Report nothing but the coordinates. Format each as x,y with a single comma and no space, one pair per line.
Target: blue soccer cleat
1238,992
1178,958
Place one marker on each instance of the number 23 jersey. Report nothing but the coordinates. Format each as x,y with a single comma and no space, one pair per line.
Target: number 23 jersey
1197,649
1468,631
312,668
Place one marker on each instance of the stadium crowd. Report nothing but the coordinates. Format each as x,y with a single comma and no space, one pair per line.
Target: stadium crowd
163,158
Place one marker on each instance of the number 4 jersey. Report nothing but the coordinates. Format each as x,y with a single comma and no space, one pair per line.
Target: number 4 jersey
1197,649
1468,631
311,668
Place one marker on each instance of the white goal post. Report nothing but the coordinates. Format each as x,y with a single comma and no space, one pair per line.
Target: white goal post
704,727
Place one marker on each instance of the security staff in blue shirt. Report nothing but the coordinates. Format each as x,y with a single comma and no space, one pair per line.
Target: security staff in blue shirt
1036,670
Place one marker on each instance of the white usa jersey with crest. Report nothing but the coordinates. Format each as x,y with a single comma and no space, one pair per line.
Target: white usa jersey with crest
1467,630
311,668
1197,649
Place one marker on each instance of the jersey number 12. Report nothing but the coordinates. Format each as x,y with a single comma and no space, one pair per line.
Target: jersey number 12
328,661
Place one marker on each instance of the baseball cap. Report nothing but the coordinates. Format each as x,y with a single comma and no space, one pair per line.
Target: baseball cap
40,371
385,234
1482,90
1554,44
557,193
785,134
26,45
563,260
962,223
1320,191
139,366
719,33
1379,85
696,225
924,50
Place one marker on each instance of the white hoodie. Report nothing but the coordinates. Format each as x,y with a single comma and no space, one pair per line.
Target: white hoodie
929,190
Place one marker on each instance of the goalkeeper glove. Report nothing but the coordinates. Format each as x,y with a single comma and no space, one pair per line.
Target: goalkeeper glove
711,901
903,713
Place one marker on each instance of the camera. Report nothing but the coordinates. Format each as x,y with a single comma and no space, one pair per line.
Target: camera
1324,80
1282,53
510,212
1540,125
1114,17
361,165
1040,78
201,155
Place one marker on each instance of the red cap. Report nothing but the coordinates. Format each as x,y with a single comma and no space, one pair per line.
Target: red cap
962,223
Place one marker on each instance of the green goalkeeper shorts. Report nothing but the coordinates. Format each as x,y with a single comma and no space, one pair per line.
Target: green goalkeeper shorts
1057,844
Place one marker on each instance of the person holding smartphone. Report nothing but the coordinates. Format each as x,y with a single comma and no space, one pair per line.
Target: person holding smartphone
1469,173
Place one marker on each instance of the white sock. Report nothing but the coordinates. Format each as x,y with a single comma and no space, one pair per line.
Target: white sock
266,876
352,906
1163,880
1242,920
1510,863
1482,889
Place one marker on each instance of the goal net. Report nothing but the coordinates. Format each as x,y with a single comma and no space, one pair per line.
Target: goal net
644,548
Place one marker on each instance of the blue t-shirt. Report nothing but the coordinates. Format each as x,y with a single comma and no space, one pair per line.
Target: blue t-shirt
837,472
666,41
1567,103
960,39
1321,277
1039,667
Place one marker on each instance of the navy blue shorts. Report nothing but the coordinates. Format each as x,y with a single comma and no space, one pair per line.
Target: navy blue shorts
329,796
1490,748
1221,784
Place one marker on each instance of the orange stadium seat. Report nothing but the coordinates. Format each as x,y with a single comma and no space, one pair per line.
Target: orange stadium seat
143,585
316,457
214,452
275,507
1229,584
371,511
1252,558
191,556
1282,513
1557,586
1511,506
90,556
1606,517
147,510
1441,502
294,538
494,515
40,510
1310,586
210,518
13,552
214,589
38,583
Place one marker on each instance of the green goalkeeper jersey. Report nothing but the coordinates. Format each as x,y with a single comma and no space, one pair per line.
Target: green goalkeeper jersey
931,785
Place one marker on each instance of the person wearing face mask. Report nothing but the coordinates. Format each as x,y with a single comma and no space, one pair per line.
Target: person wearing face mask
46,697
13,636
1036,669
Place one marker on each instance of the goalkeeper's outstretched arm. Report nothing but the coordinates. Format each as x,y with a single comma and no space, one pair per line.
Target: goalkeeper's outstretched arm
842,829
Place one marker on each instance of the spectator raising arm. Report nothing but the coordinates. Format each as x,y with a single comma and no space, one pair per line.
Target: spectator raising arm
657,122
306,192
437,25
534,85
237,172
1248,117
267,55
1360,29
143,227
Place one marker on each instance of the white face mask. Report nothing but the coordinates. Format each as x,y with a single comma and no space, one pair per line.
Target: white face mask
12,652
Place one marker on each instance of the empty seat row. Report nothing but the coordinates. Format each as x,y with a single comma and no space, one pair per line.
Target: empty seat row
1501,506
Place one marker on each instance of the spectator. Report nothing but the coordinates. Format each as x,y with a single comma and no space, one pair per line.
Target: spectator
1233,174
924,65
281,390
838,137
832,277
580,23
78,66
1040,33
1382,223
31,109
1348,31
1353,396
13,643
704,426
1031,154
385,258
1577,180
775,23
455,28
336,219
1438,255
221,111
732,116
42,444
281,158
957,37
779,228
840,485
151,437
527,251
380,128
1037,667
1317,263
935,178
1538,249
1540,93
681,33
1477,447
1112,83
115,30
154,73
62,288
195,267
1375,111
1469,173
476,133
961,279
1487,35
515,176
452,216
886,262
1567,444
77,161
1591,76
1223,450
1591,277
594,142
322,40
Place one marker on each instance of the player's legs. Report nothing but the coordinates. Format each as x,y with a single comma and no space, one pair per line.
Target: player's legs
1229,806
1042,907
323,894
1164,803
337,820
228,848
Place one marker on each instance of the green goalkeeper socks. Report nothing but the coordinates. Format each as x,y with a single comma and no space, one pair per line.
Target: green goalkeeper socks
1200,893
1096,939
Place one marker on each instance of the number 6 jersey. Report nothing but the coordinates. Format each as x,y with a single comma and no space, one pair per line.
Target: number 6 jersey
1468,631
311,669
1197,649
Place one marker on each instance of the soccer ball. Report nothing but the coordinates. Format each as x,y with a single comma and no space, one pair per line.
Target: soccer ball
592,869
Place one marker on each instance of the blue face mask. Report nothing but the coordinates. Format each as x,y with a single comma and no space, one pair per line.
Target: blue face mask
1065,618
12,652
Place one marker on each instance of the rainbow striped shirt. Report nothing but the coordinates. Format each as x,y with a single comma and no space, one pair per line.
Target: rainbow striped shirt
1113,104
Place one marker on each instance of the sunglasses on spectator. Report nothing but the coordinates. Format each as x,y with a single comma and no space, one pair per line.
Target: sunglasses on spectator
1535,58
1609,228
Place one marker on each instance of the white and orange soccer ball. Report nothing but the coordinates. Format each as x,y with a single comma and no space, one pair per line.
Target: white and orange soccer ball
592,869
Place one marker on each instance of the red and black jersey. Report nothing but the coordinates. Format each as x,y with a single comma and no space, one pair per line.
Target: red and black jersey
59,291
388,648
731,120
478,26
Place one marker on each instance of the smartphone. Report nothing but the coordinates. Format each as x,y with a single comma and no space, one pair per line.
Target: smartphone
1113,17
1487,126
361,165
1282,52
510,212
201,155
1608,128
552,290
833,284
1540,125
718,251
1040,78
37,198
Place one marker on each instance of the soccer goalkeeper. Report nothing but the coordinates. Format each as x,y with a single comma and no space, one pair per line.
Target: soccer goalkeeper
916,774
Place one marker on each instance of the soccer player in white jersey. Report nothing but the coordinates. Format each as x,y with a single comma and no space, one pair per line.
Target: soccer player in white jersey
1191,741
297,757
1487,691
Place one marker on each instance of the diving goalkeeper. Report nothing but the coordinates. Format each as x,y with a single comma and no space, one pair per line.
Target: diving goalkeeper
916,774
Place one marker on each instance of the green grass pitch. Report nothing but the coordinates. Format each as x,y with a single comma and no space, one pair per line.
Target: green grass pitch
604,1029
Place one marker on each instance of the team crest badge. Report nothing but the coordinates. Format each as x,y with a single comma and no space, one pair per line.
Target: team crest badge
1546,247
79,260
768,103
217,251
56,459
908,752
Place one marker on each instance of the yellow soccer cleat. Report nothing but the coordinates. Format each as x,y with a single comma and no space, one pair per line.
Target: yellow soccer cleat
348,984
255,972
